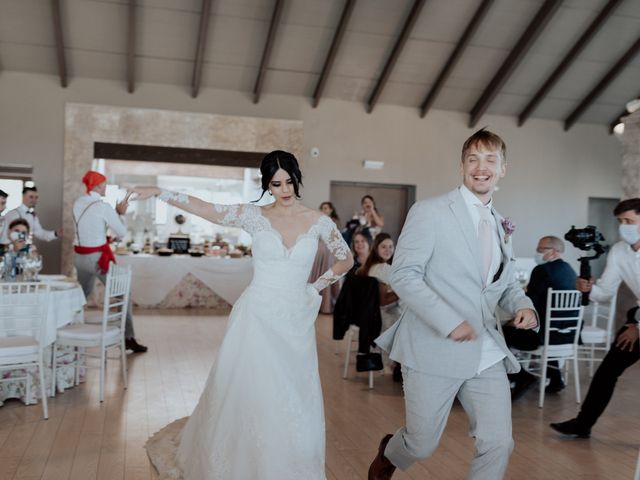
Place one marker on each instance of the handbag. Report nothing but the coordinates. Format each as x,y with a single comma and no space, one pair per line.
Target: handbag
368,362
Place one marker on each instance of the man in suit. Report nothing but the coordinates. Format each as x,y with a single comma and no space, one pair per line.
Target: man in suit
551,272
27,211
452,267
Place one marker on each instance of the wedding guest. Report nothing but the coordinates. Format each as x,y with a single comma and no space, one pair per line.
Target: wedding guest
360,246
373,220
330,211
92,217
27,211
378,265
3,206
18,234
325,260
551,272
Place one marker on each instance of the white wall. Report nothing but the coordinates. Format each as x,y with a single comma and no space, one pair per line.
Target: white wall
551,173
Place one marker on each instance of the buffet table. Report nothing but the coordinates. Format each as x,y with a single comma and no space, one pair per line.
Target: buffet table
180,281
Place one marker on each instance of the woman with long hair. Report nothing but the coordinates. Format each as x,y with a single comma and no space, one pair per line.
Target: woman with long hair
261,414
370,217
360,247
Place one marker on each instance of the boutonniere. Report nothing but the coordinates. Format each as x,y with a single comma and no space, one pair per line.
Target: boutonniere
509,227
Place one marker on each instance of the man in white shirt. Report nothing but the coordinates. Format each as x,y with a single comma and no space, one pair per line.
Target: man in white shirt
623,265
3,205
92,217
27,211
453,266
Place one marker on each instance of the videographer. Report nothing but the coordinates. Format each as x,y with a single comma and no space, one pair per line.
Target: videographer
623,264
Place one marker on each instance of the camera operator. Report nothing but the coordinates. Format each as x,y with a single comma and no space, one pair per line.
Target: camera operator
623,264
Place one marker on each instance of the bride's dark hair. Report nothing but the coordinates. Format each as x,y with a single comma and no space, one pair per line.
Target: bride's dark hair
279,159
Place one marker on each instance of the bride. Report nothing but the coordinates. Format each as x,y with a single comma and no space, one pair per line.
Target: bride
261,413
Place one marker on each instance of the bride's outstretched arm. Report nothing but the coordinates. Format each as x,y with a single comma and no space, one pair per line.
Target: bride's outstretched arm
221,214
335,243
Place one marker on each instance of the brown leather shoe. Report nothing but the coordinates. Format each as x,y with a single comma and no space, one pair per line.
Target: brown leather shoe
134,346
382,468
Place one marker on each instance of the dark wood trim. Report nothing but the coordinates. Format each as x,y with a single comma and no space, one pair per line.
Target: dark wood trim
131,46
513,60
268,46
604,82
200,47
395,53
566,62
473,25
198,156
333,51
59,39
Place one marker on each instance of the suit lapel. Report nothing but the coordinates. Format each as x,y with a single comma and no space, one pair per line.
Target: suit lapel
501,235
461,213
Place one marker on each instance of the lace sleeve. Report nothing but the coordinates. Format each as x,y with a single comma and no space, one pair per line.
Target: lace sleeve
239,215
338,247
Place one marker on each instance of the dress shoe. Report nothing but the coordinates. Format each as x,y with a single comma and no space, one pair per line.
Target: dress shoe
397,373
382,468
572,427
524,381
555,387
134,346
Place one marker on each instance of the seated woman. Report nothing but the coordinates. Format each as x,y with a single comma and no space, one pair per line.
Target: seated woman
19,246
378,265
361,246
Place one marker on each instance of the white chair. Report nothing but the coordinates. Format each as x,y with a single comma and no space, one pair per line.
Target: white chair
595,338
108,334
350,337
23,321
559,302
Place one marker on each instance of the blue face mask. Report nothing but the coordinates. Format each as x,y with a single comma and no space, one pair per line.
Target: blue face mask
629,233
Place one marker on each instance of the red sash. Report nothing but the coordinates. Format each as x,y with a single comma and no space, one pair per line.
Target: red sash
105,259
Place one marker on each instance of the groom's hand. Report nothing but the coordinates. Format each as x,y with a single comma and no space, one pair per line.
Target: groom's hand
525,319
463,332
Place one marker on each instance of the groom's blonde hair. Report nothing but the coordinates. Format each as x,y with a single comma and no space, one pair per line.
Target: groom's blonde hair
486,139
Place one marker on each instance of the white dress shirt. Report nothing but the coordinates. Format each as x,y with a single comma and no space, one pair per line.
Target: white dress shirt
3,225
491,353
91,227
34,224
623,264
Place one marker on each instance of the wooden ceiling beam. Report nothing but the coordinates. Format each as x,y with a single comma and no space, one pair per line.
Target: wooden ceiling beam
131,46
526,41
477,18
395,53
566,62
333,51
59,41
203,30
604,82
268,47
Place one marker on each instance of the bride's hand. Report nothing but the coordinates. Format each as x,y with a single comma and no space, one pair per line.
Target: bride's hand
142,193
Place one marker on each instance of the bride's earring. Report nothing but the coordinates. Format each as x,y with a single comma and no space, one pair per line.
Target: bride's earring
270,193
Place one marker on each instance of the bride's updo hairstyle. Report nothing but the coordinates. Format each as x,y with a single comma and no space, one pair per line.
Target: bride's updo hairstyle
279,159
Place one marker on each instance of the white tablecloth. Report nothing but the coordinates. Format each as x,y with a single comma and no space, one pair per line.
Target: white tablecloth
65,306
154,276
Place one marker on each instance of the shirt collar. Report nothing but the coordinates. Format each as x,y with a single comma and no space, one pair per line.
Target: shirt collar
471,199
94,194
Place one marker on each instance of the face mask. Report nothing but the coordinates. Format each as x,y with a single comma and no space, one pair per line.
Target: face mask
539,258
15,236
629,233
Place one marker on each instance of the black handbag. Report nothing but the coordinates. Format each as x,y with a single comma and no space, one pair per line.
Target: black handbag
368,362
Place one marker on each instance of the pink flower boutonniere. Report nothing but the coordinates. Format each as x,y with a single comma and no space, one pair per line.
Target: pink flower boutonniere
509,227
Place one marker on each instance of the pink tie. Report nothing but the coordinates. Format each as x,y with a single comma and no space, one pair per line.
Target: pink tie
485,237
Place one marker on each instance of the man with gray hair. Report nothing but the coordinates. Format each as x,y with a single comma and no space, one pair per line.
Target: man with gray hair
551,272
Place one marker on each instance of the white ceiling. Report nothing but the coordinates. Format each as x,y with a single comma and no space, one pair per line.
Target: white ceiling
95,33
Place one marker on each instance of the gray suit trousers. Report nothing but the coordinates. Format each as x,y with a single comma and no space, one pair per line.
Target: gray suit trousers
428,400
88,271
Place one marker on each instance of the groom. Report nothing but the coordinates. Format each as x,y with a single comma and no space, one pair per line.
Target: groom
453,266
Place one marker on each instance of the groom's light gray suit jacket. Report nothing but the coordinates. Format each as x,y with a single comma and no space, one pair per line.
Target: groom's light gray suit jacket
436,273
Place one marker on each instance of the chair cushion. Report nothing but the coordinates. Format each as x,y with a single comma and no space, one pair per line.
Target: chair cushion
18,345
82,331
593,335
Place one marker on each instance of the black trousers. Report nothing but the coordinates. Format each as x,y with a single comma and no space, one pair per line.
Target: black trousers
604,381
529,340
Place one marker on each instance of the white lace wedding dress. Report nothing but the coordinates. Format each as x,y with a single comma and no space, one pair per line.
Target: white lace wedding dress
261,415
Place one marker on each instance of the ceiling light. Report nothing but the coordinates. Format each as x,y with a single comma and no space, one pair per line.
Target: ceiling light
633,105
619,129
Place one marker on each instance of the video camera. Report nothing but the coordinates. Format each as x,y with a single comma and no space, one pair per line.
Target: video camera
586,239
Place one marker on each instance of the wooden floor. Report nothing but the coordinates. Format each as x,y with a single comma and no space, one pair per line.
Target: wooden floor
84,439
